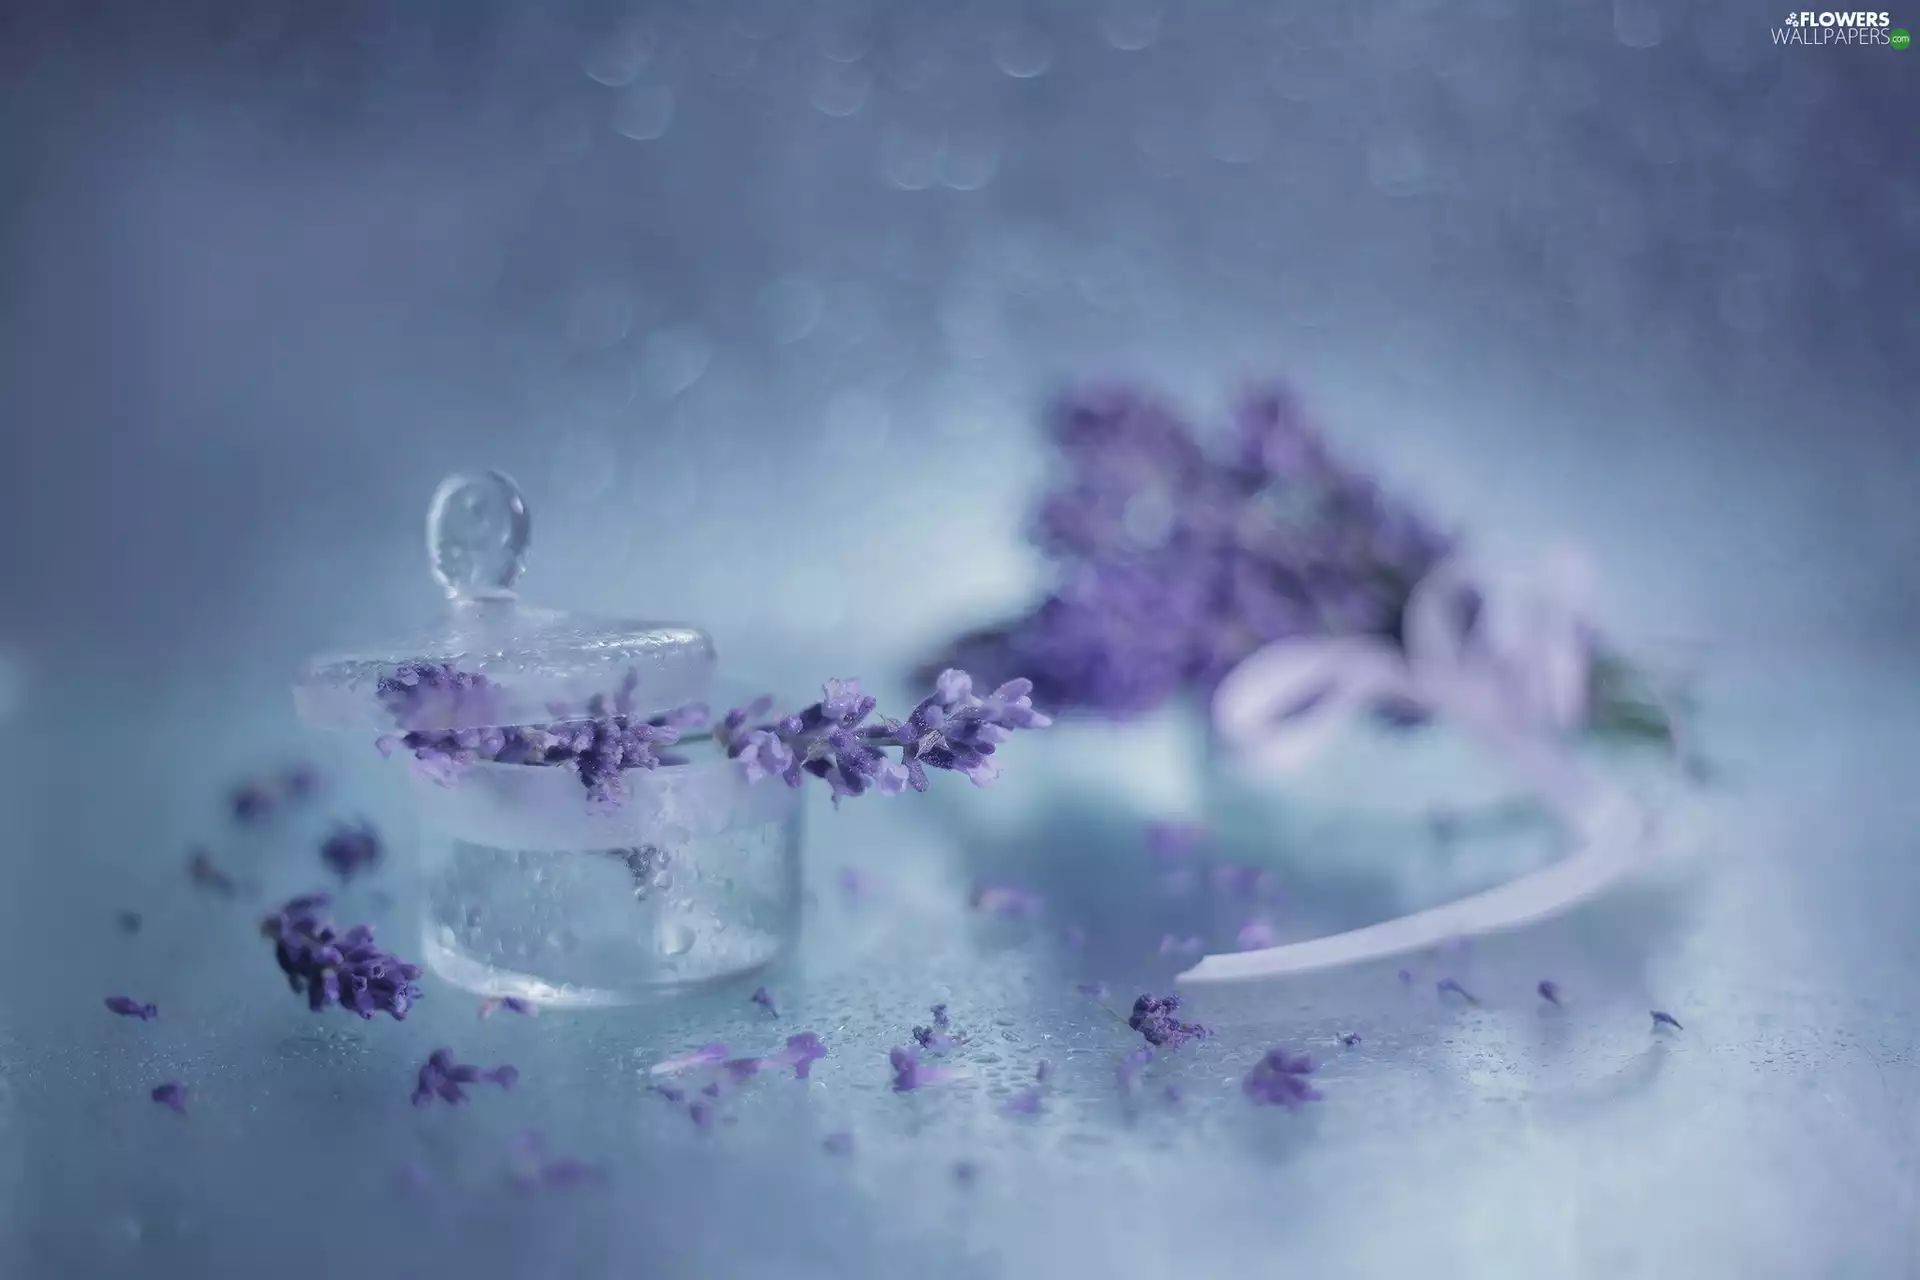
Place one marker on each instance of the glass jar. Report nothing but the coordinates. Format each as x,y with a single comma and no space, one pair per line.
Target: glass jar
543,878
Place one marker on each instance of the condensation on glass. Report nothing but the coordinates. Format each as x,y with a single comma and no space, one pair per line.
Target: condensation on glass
530,885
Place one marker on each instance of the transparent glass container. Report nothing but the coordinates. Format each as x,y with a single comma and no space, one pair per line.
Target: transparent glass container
673,874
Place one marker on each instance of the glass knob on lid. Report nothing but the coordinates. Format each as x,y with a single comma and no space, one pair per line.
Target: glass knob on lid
494,660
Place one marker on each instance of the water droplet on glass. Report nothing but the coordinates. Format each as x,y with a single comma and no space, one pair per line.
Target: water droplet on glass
840,90
644,112
790,308
1131,25
1023,52
1636,23
617,60
910,160
969,161
676,938
477,535
673,360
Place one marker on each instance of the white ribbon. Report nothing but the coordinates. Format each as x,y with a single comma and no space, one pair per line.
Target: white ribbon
1506,663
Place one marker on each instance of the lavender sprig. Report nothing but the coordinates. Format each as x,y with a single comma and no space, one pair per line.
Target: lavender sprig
835,739
332,967
1153,1017
1280,1080
443,1078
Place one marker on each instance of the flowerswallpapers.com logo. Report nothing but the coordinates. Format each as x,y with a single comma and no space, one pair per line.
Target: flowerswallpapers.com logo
1855,28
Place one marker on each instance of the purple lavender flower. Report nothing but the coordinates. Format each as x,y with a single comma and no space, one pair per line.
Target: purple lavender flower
1349,1039
350,850
171,1095
831,740
838,1144
1132,1065
252,802
1024,1103
1074,936
1005,901
441,1077
1280,1080
129,921
909,1074
333,967
1256,935
1174,841
1661,1018
940,1015
764,998
1549,991
1153,1017
1174,565
934,1041
801,1052
1447,986
204,874
512,1004
1406,977
128,1007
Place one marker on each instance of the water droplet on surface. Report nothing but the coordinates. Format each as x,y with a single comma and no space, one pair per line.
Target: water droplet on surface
1023,52
644,112
840,90
676,938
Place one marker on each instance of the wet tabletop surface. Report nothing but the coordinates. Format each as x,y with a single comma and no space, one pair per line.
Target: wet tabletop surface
1776,1135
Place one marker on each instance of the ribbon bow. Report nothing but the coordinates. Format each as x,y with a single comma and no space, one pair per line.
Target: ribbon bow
1508,662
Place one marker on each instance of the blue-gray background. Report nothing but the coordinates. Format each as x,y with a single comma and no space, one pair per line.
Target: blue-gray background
757,301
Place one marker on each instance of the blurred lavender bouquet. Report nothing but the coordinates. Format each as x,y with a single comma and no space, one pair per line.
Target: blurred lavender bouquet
1176,563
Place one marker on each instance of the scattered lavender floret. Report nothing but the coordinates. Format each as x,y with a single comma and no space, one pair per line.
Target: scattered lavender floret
838,1144
1447,986
1043,1072
252,802
512,1004
1279,1079
801,1052
1025,1103
764,998
537,1169
1406,977
349,850
1661,1018
1349,1039
1132,1065
966,1173
1005,901
129,921
934,1041
1549,991
202,871
669,1092
1153,1017
441,1077
1074,936
171,1095
128,1007
333,967
910,1074
707,1055
1256,935
1171,1093
940,1015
